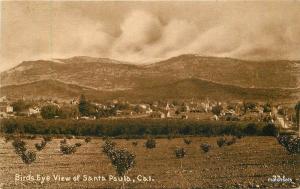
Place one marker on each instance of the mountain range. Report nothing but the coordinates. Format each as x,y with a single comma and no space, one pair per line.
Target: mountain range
186,76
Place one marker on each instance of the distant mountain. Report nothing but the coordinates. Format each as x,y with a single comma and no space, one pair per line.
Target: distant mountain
107,74
184,89
100,75
182,77
257,74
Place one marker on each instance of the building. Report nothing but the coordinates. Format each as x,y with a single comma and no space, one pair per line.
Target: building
5,109
34,110
3,99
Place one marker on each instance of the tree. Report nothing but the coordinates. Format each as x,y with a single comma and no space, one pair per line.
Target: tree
180,153
217,110
49,111
270,130
86,108
249,106
138,109
122,106
83,106
19,106
66,112
267,108
297,109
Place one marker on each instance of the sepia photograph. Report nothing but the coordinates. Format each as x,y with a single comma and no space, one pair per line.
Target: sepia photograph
150,94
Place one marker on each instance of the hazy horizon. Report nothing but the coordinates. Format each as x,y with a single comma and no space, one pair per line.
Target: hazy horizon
145,32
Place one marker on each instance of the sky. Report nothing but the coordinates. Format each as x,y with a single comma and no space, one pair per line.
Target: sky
145,32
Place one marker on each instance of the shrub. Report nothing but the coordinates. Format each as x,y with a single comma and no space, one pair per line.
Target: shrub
40,146
134,143
8,138
180,152
231,141
78,144
19,145
187,141
69,136
205,147
31,137
88,139
49,111
64,141
67,149
150,143
28,156
47,138
270,130
122,160
221,142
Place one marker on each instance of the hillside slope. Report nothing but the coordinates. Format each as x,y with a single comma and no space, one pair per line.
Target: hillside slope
184,89
259,74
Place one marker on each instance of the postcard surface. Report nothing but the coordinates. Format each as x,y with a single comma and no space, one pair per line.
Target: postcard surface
150,94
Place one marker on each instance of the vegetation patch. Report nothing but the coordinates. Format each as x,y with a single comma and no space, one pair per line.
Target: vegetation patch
290,143
150,143
40,146
132,127
205,147
187,141
28,157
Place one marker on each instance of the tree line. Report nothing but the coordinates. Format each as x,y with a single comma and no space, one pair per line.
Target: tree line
134,128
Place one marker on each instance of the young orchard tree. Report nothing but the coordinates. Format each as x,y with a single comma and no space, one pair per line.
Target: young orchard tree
68,149
187,141
40,146
150,143
19,146
87,139
134,143
205,147
221,142
122,160
180,153
47,138
231,141
28,157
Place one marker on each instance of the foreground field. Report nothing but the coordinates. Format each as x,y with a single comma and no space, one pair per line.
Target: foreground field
249,163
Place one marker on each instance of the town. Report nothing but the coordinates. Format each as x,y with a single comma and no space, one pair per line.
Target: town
84,109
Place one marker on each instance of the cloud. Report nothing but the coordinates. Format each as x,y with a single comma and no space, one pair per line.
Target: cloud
144,38
143,35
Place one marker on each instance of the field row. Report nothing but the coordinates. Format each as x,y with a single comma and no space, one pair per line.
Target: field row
250,162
